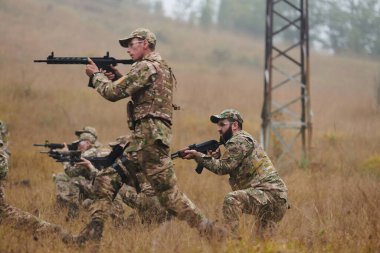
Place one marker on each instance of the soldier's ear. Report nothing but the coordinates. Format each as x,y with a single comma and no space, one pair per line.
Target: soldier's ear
146,44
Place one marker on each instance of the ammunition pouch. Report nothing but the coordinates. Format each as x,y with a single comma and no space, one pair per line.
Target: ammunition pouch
130,113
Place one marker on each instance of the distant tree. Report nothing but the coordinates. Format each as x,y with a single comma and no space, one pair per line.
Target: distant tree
338,25
205,19
243,15
183,9
350,25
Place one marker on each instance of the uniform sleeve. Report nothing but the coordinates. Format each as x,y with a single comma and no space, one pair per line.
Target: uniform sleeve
140,76
3,164
72,170
230,160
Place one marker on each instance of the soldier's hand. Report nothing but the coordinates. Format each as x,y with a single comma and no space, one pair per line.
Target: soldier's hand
190,154
86,163
114,74
91,68
215,154
65,148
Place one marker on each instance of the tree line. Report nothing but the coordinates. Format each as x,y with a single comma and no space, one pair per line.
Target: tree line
338,25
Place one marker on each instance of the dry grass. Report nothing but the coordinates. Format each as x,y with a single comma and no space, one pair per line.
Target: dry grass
334,202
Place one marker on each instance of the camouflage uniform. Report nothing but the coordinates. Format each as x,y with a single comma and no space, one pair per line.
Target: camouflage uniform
108,184
146,205
257,187
150,85
13,216
73,185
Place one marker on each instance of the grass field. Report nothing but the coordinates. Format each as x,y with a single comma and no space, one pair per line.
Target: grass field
334,202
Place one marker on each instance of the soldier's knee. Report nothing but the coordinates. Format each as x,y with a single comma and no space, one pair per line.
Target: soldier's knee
164,179
230,199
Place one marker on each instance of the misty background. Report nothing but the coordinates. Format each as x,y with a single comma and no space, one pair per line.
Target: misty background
337,26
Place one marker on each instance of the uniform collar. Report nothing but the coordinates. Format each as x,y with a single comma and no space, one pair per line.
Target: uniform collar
152,56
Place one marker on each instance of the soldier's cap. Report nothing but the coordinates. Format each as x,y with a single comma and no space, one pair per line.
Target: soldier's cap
87,129
88,137
141,33
121,140
230,114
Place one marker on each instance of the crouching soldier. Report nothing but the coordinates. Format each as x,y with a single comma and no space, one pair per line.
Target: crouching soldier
73,185
257,187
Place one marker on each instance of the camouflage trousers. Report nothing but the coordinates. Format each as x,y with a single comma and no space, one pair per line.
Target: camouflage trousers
71,189
268,207
70,192
106,202
147,209
73,192
22,220
152,138
105,188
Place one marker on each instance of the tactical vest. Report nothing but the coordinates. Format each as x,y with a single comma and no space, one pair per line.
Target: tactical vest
256,167
157,99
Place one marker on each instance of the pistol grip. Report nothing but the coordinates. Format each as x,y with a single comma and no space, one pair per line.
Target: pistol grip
199,168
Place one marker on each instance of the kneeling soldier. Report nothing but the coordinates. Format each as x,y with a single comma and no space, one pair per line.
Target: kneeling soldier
257,187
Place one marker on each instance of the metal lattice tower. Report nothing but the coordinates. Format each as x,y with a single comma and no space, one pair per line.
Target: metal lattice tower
286,113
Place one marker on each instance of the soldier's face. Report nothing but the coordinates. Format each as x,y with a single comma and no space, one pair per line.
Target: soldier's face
226,129
84,145
136,49
223,126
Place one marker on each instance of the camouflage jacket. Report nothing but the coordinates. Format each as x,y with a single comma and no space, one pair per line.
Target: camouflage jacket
149,83
247,164
79,170
4,156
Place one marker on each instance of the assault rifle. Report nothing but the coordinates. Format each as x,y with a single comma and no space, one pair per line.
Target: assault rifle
47,144
74,156
100,163
203,147
102,62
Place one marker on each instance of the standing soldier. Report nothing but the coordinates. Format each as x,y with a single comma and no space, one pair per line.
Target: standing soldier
150,85
257,187
11,215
